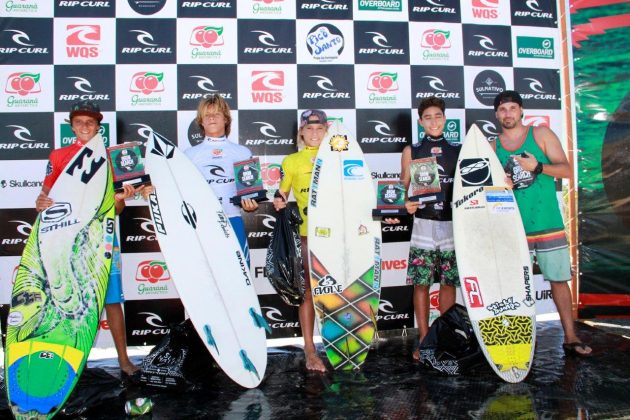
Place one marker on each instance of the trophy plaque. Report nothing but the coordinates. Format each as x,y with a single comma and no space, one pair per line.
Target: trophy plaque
390,199
424,185
127,165
248,178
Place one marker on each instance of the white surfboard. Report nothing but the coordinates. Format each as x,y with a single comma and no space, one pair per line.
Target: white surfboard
344,243
206,262
493,260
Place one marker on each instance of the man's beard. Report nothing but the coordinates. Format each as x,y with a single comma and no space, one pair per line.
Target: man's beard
510,123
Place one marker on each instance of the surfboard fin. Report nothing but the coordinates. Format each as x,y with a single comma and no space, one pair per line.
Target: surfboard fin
210,338
247,364
259,320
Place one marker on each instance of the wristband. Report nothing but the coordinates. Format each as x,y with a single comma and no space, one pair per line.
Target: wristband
538,169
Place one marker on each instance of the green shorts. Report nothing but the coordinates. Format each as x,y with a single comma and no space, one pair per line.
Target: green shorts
426,267
555,264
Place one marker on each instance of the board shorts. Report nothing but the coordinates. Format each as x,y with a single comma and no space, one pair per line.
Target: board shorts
114,292
432,254
551,252
239,229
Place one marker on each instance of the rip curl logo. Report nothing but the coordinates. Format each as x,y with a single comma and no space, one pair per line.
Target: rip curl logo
504,305
327,285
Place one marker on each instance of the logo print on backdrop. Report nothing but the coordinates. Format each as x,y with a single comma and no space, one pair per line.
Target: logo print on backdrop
207,36
23,83
83,40
475,172
144,37
23,228
147,82
485,9
23,134
436,39
271,174
267,86
152,271
325,43
81,84
382,82
20,38
144,7
487,85
537,120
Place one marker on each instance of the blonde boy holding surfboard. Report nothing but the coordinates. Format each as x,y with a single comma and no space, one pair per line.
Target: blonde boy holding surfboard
297,169
85,121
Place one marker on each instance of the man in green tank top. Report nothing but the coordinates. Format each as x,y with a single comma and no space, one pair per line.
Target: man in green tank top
533,158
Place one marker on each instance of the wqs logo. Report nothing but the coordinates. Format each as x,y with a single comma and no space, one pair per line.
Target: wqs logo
353,169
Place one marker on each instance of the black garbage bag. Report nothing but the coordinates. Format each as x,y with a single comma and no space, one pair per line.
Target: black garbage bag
284,257
451,347
180,361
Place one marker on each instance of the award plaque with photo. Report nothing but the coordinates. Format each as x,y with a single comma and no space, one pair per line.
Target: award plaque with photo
424,185
249,182
390,199
127,165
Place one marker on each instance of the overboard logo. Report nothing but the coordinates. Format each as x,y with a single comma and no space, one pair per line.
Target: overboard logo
353,169
325,43
327,285
475,172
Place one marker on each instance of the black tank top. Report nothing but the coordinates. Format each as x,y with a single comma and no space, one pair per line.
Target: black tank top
446,155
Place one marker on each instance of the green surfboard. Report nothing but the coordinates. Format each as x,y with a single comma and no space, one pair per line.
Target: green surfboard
60,287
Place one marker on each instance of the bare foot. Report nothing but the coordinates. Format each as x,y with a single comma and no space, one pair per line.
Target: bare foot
416,351
313,362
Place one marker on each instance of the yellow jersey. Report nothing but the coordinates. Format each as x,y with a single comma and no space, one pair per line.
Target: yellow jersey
297,169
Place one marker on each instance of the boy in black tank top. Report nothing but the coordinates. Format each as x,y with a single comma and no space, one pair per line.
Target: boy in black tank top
432,249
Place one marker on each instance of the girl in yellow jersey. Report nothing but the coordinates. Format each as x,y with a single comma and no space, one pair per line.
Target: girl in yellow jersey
297,169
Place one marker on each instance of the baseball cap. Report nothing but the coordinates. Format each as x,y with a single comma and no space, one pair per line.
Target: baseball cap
507,96
86,108
313,116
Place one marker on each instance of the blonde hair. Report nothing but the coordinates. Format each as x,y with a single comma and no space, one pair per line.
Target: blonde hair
221,105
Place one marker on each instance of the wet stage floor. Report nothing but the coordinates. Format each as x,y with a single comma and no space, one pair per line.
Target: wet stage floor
391,386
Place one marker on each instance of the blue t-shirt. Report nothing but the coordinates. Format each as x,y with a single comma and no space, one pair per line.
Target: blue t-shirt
215,160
